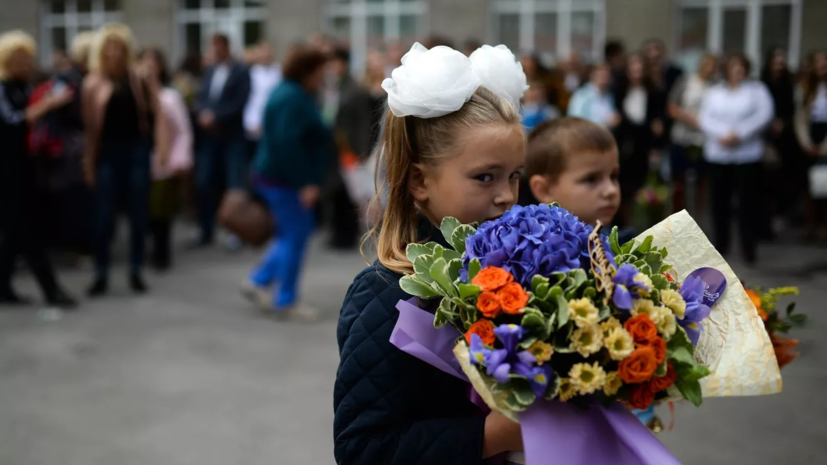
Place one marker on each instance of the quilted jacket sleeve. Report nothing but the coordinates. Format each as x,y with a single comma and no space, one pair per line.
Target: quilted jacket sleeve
391,408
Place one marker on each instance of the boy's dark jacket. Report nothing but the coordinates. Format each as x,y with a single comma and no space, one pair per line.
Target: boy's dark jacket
391,408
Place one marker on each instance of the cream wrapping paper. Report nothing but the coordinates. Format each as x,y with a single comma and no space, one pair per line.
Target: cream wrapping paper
733,344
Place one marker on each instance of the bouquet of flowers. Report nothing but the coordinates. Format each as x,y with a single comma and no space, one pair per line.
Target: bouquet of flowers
767,305
559,326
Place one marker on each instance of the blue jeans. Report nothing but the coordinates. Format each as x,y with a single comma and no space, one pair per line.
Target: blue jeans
122,175
217,154
282,262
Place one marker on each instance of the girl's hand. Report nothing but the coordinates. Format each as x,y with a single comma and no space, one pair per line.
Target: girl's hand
501,435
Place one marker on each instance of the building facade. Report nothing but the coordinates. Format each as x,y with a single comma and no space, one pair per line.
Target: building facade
552,28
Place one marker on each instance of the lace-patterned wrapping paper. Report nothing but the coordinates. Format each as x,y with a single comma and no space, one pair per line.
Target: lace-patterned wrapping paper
734,344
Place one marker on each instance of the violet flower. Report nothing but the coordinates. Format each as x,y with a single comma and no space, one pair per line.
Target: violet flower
628,283
692,292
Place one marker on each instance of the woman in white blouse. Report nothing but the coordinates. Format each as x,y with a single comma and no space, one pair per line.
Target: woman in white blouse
811,130
733,117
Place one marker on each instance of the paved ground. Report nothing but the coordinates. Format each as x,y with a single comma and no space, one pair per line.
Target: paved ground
191,375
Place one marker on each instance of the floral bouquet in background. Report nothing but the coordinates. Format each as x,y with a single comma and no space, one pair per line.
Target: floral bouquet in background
651,202
767,305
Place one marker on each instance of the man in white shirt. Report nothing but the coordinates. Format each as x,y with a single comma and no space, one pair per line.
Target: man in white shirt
265,75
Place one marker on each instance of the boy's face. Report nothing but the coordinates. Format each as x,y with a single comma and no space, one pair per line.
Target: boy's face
588,187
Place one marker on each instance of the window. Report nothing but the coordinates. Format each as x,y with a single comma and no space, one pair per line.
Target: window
367,24
243,21
751,27
551,28
63,19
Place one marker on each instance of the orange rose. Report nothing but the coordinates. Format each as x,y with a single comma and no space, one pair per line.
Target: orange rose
489,304
638,367
641,397
642,329
484,329
492,278
756,300
513,298
664,382
659,346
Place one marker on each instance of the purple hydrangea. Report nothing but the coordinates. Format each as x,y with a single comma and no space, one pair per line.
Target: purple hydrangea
532,240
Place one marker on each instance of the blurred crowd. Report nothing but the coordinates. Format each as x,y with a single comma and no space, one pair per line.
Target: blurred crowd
112,129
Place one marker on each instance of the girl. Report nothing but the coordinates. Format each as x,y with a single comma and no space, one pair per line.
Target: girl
811,132
445,152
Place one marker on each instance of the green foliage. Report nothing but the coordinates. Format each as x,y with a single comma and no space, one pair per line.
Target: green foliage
413,286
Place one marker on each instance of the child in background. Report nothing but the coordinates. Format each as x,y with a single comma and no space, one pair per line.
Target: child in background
575,162
536,108
456,152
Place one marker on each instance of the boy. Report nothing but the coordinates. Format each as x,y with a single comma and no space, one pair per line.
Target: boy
575,162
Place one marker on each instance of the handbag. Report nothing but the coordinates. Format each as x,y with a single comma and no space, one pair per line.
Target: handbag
818,181
245,215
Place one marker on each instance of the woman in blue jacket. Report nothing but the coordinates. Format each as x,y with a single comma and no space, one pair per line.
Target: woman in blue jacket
293,156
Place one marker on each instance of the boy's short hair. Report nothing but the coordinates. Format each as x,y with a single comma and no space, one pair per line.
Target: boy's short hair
552,142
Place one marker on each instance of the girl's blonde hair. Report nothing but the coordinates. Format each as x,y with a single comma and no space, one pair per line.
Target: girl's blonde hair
408,140
82,46
11,42
118,32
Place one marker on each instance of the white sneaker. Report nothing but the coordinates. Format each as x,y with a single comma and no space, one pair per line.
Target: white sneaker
256,295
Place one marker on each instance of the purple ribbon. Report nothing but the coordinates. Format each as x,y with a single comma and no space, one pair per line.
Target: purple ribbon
553,432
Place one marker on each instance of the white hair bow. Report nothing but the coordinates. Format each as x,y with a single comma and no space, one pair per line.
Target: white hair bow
436,82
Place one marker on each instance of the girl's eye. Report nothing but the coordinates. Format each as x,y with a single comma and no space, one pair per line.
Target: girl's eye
484,177
590,179
516,175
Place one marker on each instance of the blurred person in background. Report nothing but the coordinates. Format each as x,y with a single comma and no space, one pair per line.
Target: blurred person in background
664,74
352,132
535,108
614,53
641,104
166,189
393,57
122,122
594,101
187,81
733,117
372,81
811,132
60,61
293,157
18,236
686,150
782,149
265,75
572,75
470,46
224,93
553,90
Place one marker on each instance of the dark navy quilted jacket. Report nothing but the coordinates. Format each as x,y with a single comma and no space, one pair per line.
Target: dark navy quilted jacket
391,408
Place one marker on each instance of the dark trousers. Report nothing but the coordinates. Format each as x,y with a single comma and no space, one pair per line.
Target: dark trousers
217,153
745,182
19,239
344,219
122,178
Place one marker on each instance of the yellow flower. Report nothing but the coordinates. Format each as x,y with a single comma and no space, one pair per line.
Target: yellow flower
620,344
566,390
587,340
608,325
613,384
646,307
583,312
587,378
641,278
674,301
542,350
667,325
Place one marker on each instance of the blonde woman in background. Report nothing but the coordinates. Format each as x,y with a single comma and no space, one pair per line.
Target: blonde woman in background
121,114
18,236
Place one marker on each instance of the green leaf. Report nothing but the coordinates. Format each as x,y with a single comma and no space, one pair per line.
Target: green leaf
474,268
557,277
627,247
680,348
416,288
660,282
415,250
422,267
513,404
550,326
614,240
590,292
562,311
790,309
468,291
453,268
542,291
523,393
646,245
553,387
439,320
665,268
450,255
692,373
449,224
576,279
661,371
439,273
605,312
798,319
536,281
534,323
528,342
438,251
691,390
664,253
654,260
459,236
